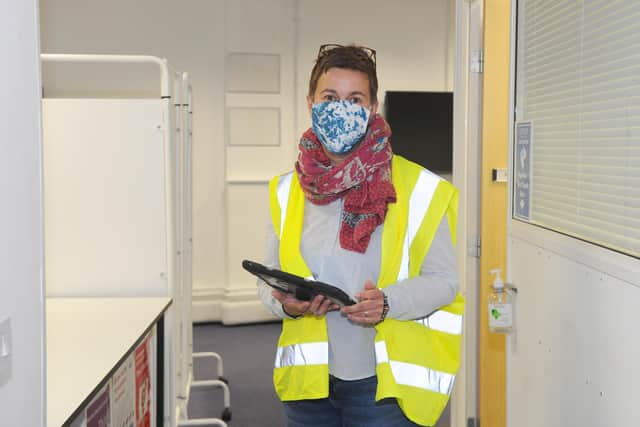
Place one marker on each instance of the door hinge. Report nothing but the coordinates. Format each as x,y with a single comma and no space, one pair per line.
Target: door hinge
475,246
473,422
477,61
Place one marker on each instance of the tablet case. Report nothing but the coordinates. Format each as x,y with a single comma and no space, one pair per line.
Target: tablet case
303,289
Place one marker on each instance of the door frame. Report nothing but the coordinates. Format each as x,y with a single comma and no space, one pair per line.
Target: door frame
466,177
497,18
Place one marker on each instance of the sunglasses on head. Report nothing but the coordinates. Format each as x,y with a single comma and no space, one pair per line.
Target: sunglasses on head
371,53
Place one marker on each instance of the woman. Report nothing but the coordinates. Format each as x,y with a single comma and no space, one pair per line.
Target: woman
382,229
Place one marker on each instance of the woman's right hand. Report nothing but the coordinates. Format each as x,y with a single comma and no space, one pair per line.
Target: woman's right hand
318,306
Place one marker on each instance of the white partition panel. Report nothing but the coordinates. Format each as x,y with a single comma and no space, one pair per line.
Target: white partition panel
573,360
105,222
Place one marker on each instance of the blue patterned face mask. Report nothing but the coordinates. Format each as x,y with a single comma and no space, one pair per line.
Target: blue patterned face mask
339,125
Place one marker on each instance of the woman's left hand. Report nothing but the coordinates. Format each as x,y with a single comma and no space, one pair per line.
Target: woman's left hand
368,309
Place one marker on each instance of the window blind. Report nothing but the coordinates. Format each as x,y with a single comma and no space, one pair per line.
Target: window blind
578,82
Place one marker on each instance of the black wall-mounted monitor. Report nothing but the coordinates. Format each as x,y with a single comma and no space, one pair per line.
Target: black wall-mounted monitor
422,127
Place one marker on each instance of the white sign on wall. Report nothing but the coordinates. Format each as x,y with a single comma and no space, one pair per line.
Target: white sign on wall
123,395
522,171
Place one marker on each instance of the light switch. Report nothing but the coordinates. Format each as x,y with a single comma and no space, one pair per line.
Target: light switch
5,350
499,175
5,337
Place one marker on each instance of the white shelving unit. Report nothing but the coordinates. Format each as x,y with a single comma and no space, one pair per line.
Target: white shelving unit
117,178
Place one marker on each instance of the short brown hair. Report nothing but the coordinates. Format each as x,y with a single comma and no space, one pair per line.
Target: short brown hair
351,57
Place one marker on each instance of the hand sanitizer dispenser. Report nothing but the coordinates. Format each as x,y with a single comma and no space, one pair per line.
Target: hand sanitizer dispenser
500,306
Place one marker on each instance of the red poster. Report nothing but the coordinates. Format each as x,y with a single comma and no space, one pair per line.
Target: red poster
143,385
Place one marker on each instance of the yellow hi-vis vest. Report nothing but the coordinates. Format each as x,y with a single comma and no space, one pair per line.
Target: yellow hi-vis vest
416,360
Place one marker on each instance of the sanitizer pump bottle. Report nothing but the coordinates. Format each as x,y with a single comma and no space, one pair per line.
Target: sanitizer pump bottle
500,306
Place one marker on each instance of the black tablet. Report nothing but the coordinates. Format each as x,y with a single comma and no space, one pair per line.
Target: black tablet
303,289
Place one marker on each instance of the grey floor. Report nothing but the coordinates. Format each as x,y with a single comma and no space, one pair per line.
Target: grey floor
248,353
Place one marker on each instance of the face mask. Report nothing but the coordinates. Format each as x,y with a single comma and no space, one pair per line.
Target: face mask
339,125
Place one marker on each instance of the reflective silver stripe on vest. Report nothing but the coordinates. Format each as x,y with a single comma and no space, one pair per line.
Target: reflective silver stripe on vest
418,204
415,375
314,353
284,185
443,321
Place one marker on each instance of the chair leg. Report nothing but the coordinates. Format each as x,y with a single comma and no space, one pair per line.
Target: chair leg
216,356
226,413
222,383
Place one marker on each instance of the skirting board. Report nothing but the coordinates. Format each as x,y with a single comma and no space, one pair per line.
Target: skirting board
238,312
205,305
206,311
231,306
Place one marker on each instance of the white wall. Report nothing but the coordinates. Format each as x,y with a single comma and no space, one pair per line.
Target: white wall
21,258
414,40
265,32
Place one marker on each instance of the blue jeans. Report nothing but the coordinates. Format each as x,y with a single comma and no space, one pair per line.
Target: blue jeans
350,404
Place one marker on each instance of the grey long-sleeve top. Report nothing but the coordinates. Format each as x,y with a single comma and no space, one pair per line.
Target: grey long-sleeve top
351,346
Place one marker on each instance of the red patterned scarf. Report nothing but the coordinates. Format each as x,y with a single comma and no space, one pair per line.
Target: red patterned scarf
363,179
